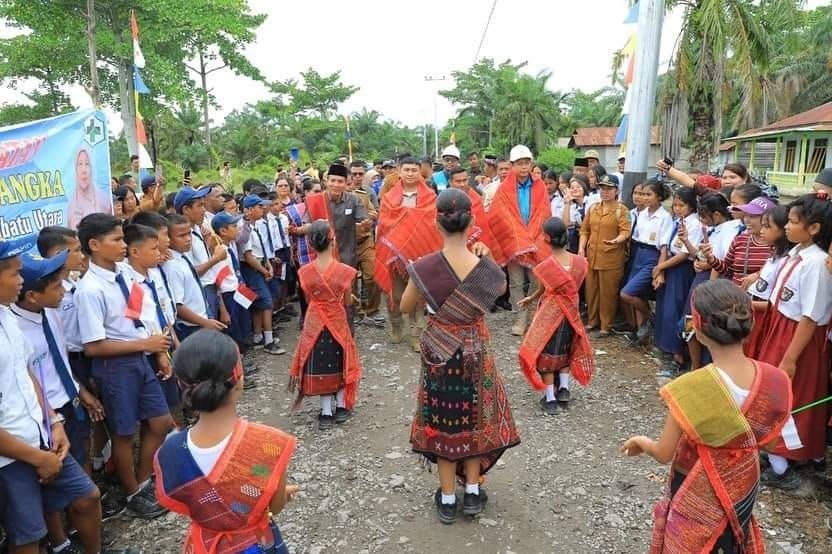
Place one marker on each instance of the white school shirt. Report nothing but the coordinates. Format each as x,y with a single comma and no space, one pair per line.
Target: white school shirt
230,283
694,227
20,413
575,217
69,318
40,360
165,294
804,286
277,239
592,198
148,316
199,255
183,286
101,307
653,229
206,458
740,395
761,288
721,237
556,204
258,241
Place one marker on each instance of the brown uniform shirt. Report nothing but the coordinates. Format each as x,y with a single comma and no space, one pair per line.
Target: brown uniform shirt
605,222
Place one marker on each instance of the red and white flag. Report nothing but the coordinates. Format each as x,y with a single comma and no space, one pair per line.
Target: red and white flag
224,272
244,296
135,301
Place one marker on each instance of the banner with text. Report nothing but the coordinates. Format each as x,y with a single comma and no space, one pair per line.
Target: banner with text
53,172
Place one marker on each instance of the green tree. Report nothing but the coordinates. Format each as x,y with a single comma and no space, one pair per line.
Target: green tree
598,108
317,94
52,46
42,105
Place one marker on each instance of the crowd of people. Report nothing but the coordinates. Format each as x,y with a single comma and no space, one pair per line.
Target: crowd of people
130,336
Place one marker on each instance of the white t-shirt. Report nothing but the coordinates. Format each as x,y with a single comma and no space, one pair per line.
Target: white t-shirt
206,458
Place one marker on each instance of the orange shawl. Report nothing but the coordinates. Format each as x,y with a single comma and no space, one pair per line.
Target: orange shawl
325,291
480,230
519,243
559,301
404,234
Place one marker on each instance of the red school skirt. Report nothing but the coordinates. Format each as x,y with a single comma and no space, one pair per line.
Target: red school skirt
810,383
753,344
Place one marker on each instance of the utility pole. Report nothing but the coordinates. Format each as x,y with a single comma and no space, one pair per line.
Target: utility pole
650,18
94,89
424,140
430,79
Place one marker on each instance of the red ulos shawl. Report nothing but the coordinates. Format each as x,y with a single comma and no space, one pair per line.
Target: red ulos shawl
404,234
519,243
480,230
325,293
559,301
317,206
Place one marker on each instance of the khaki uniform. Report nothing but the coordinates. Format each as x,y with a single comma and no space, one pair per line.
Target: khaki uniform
366,253
606,261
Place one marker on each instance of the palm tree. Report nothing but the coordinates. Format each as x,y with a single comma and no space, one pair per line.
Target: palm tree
527,110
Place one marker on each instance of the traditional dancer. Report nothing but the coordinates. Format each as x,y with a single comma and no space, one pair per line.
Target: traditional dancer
326,360
463,421
556,341
406,232
796,334
226,474
720,416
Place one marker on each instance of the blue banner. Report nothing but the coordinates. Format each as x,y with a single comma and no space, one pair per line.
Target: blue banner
53,172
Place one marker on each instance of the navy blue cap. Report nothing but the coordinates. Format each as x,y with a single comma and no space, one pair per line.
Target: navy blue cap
36,268
148,181
224,219
253,200
9,248
187,194
608,181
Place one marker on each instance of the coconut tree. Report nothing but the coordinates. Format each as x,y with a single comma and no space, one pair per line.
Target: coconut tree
528,110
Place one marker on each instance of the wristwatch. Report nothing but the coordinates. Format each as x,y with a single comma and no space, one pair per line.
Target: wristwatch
57,418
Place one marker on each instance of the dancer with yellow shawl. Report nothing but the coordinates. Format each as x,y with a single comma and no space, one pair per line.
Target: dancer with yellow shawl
720,416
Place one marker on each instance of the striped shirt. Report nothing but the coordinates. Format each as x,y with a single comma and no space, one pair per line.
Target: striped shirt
745,256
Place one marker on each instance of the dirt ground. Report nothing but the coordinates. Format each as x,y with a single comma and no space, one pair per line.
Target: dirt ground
564,488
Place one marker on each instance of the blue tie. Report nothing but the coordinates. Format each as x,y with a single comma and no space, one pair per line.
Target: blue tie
260,238
673,233
165,282
61,369
202,240
198,282
160,314
271,243
122,284
282,234
235,263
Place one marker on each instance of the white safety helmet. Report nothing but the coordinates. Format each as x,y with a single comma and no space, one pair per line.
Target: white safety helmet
452,151
520,152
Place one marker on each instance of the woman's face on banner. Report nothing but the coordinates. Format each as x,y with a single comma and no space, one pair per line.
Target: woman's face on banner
83,170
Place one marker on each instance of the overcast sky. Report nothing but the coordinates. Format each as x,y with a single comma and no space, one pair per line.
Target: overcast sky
388,47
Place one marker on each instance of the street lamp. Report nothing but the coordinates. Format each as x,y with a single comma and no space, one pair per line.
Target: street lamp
430,79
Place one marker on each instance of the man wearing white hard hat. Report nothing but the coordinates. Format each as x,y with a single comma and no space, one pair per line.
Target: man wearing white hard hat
518,210
450,159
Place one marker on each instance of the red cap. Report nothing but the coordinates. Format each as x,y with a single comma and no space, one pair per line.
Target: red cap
709,181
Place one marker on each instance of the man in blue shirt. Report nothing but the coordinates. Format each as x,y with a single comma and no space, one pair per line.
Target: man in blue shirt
450,159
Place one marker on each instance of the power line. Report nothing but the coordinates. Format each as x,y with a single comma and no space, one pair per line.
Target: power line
485,31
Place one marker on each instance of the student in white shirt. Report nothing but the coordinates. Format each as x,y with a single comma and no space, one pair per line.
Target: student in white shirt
651,232
36,470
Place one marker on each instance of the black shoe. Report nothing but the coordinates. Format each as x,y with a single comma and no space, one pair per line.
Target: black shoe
342,415
145,505
273,348
251,369
789,481
819,467
645,330
325,422
548,407
473,504
249,383
564,396
632,339
289,310
622,329
259,343
112,504
283,318
447,512
504,304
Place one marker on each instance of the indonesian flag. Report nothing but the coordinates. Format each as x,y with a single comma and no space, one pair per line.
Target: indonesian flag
224,273
135,301
138,57
244,296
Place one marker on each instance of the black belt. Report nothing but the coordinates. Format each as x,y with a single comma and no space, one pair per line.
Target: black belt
644,245
75,355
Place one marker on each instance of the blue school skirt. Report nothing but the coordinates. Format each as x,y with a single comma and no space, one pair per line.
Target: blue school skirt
670,307
640,278
698,279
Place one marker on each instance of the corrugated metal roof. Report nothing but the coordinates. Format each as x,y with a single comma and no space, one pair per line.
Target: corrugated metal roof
816,119
605,136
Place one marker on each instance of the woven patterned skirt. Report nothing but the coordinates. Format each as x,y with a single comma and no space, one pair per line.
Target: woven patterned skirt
555,355
323,372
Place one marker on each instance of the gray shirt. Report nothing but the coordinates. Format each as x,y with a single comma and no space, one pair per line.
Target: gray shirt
346,213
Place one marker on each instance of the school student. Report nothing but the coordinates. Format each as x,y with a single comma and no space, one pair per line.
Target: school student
747,253
229,281
190,203
673,277
278,224
130,391
257,271
242,464
650,234
184,282
720,417
37,474
801,304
